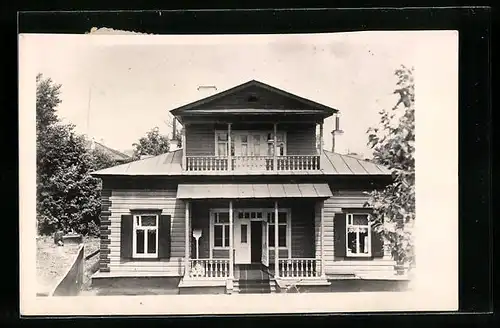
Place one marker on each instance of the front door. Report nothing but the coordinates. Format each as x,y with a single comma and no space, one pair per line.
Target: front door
242,235
256,241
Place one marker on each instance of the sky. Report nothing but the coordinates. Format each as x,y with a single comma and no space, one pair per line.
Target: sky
116,88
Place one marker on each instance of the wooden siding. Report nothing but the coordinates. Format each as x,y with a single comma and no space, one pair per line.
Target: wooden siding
125,200
336,265
303,230
200,140
301,140
263,99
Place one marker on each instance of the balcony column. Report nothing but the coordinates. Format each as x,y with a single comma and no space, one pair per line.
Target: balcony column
231,241
229,154
276,242
187,240
275,155
183,138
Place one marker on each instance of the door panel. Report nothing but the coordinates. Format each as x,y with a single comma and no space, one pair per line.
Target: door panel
242,240
265,246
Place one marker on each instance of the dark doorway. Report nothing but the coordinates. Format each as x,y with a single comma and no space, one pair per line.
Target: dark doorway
256,242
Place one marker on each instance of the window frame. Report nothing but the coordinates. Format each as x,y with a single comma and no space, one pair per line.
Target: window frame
137,227
350,218
213,214
288,228
249,134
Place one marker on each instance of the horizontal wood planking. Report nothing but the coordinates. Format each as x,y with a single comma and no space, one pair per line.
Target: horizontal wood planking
125,200
301,140
200,140
334,265
303,230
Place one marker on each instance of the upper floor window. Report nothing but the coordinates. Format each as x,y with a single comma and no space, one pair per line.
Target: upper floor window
358,235
222,144
280,144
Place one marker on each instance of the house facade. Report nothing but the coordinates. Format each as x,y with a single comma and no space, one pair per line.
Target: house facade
250,203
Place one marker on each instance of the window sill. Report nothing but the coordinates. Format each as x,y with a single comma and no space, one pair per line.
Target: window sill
279,248
220,248
141,258
358,255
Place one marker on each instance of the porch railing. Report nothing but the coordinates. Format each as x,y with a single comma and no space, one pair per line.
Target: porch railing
299,268
209,268
261,163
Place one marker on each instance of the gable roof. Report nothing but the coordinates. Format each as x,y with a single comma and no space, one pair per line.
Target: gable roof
296,103
115,154
169,164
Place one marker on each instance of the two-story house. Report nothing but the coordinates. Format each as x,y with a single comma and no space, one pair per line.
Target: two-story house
250,203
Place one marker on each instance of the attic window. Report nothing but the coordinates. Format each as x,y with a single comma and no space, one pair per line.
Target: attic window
252,98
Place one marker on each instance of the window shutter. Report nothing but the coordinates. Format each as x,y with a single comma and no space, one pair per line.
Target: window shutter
127,229
377,244
339,233
164,238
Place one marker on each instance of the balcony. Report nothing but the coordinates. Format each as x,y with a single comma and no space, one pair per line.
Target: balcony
253,163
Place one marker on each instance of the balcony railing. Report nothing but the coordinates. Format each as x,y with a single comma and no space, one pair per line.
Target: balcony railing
299,268
253,163
208,268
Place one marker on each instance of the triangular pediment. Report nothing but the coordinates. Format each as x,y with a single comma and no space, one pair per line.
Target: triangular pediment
253,96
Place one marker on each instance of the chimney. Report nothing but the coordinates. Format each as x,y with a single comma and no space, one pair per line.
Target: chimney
174,128
207,90
336,131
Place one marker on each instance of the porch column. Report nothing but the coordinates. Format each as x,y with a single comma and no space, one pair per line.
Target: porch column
275,155
231,242
183,138
276,244
187,244
229,155
322,237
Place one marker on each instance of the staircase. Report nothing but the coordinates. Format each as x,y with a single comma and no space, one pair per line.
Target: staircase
253,280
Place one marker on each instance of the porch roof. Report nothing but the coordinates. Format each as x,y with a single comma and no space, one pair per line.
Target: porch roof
278,190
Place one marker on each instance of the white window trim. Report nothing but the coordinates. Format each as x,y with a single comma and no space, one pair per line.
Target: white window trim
134,237
288,230
264,219
212,232
249,132
348,253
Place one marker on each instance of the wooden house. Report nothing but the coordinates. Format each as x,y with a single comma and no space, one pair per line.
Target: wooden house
249,203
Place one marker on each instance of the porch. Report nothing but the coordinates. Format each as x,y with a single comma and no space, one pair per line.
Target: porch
229,230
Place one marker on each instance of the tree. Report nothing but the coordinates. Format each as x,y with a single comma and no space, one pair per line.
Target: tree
393,144
67,196
153,144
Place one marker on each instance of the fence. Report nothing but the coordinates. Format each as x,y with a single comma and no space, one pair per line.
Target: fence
71,283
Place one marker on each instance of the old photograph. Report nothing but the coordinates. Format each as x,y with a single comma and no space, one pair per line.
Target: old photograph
234,174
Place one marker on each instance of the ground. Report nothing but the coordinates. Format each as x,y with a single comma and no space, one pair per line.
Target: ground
53,261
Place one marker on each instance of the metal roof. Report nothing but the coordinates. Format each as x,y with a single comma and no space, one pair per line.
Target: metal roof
169,164
234,191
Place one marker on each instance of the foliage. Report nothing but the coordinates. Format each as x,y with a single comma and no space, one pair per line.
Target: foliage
393,143
153,143
67,196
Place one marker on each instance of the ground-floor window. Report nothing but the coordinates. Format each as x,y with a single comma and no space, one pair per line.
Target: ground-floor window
221,230
283,229
145,236
358,235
